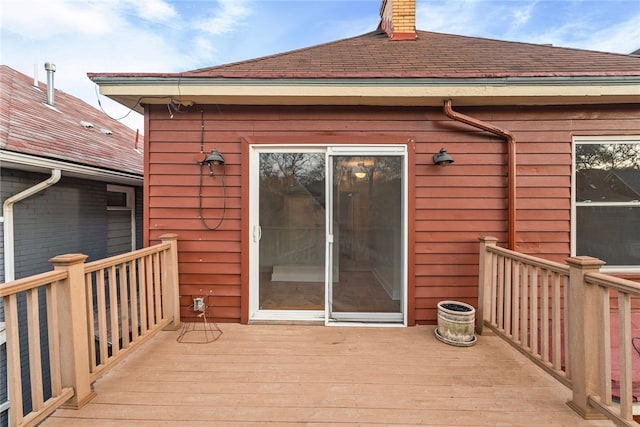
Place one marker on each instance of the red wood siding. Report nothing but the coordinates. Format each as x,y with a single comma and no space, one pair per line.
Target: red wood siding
450,207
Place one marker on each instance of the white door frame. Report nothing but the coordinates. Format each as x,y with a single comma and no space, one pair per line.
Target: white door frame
254,232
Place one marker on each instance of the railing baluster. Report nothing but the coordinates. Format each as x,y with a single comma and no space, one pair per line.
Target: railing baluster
157,280
142,287
35,349
151,315
91,326
123,302
524,306
493,287
102,316
563,302
515,307
54,344
500,285
605,337
544,314
113,310
534,283
508,287
133,293
626,375
13,359
556,320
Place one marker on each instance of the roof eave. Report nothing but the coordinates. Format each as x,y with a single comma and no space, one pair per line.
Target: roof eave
30,163
134,91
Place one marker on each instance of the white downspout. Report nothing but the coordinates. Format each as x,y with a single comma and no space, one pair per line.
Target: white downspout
7,212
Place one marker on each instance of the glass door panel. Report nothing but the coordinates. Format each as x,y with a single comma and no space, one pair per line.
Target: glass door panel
367,229
292,231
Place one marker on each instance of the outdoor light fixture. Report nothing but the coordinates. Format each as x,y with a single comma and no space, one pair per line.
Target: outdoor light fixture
361,172
442,158
215,158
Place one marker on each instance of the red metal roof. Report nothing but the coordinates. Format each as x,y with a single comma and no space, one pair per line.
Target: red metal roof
431,55
29,126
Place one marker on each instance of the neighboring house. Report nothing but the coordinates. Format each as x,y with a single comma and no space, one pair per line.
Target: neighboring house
70,181
329,167
92,205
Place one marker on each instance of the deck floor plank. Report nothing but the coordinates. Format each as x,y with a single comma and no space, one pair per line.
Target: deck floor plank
314,375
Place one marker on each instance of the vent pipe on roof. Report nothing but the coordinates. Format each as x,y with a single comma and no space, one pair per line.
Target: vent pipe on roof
51,68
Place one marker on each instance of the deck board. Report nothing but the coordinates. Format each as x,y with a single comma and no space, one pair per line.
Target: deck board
314,375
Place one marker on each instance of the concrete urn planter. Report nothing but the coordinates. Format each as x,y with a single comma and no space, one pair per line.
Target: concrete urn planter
456,323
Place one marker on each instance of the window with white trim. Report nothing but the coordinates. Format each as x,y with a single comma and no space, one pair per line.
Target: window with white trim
606,198
121,219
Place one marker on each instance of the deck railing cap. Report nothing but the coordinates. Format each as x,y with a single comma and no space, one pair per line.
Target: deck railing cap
585,262
68,259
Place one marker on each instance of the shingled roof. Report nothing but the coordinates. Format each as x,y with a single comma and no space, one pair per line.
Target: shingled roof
374,69
28,125
430,55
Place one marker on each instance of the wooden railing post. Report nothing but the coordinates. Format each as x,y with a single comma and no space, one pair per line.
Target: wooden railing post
484,283
171,297
583,337
72,321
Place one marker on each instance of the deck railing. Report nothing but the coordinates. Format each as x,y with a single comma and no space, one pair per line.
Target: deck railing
95,314
560,317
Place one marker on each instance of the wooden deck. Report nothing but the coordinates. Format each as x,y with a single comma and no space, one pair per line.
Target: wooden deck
315,375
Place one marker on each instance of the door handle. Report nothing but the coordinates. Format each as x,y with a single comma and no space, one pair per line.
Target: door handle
257,233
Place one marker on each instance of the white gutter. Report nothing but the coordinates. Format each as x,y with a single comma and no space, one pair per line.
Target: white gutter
133,91
7,212
10,159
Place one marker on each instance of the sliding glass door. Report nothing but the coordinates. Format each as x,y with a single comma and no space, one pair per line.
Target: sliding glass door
366,229
328,233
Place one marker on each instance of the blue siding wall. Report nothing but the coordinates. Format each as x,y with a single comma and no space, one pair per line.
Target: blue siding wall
68,217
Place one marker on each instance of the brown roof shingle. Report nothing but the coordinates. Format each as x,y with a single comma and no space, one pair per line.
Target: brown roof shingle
29,126
431,55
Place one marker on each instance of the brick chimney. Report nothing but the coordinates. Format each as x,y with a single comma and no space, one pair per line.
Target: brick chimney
398,19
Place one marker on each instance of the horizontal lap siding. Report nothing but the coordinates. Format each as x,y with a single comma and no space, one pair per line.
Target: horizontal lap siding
453,206
209,260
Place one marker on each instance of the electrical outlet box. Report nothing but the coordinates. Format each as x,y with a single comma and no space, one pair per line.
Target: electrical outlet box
198,304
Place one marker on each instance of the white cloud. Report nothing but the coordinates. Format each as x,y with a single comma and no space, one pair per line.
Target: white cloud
451,17
226,17
42,19
153,10
522,15
622,37
572,24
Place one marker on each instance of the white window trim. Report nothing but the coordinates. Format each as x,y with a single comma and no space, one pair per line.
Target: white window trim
130,193
590,139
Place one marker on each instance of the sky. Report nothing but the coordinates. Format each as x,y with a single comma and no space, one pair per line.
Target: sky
81,36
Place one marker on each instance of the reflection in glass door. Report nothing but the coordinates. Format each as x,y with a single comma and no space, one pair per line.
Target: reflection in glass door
292,231
367,229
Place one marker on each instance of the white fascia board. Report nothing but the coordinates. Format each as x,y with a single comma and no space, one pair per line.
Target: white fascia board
502,91
20,161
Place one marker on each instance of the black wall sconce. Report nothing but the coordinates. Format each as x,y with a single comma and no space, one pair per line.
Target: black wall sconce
215,158
442,158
